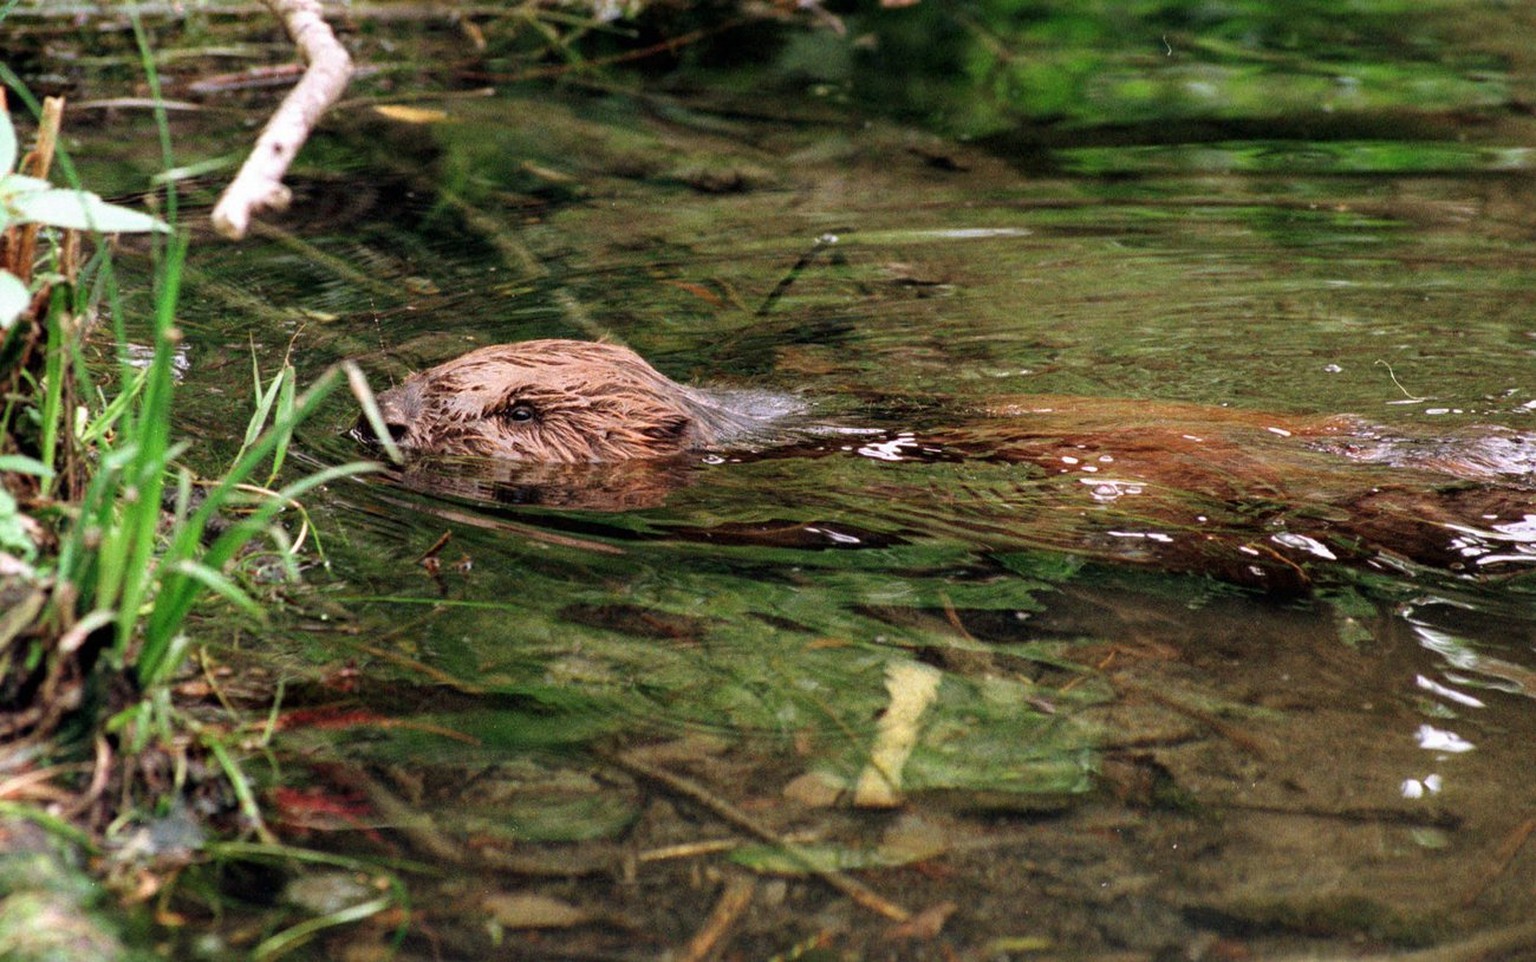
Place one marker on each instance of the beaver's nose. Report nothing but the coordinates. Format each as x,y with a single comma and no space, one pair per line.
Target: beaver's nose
399,407
363,431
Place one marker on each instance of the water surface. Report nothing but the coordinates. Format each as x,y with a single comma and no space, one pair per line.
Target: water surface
1113,754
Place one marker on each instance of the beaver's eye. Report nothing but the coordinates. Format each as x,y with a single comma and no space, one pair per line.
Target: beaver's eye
521,411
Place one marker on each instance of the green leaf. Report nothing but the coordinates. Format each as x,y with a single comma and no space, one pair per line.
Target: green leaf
14,298
81,210
220,585
13,530
21,464
13,184
266,397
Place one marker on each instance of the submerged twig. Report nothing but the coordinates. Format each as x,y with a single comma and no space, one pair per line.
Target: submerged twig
861,894
822,243
733,901
1433,818
516,256
1231,733
1512,943
259,185
417,826
316,256
1502,858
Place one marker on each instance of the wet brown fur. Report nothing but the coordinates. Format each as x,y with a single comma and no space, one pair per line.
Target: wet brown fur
554,401
1229,482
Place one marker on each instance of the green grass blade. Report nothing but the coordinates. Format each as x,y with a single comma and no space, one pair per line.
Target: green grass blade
178,592
152,430
50,823
290,938
249,807
55,420
265,398
219,585
162,121
285,404
95,570
364,394
21,464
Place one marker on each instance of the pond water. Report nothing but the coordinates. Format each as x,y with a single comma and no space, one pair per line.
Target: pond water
1105,731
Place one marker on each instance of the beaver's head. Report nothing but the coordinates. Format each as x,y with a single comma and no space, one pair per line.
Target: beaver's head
550,401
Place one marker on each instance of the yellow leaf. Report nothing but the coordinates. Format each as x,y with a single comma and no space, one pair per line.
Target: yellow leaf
411,115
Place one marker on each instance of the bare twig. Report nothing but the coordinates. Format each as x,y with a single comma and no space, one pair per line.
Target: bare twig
36,164
259,184
177,10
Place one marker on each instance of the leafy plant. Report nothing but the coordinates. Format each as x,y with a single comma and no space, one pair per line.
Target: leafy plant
137,551
32,200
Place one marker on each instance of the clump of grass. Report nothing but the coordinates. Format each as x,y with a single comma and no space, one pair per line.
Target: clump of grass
107,544
107,547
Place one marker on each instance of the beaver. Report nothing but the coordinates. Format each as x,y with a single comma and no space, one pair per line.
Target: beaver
1234,486
567,402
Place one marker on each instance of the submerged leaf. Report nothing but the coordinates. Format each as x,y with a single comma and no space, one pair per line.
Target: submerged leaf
325,893
913,687
527,910
411,115
808,859
833,857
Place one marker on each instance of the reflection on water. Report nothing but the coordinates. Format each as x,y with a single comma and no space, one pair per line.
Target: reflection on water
1333,755
1510,542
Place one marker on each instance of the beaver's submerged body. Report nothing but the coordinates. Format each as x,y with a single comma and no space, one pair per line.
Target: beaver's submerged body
573,403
